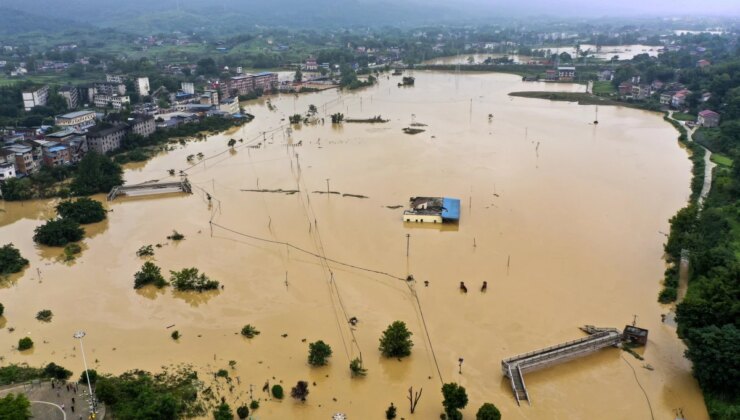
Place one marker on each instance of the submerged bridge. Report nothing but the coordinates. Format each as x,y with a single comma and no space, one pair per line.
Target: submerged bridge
515,367
151,188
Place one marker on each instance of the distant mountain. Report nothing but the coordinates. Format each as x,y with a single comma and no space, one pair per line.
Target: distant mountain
16,22
147,16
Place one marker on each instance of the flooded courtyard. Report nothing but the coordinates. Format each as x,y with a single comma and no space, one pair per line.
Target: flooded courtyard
564,219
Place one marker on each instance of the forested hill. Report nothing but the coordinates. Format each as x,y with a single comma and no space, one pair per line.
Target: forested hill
232,15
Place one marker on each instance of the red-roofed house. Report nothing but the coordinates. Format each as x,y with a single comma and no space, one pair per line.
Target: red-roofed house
708,118
703,63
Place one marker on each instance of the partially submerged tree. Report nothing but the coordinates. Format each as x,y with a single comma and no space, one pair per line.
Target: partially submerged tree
454,399
11,260
15,407
396,340
249,331
84,210
242,412
223,412
44,315
149,274
488,411
188,279
318,353
300,391
277,392
96,173
25,343
355,366
58,232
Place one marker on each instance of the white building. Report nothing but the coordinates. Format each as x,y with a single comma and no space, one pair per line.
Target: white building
142,86
35,98
188,88
111,78
7,171
116,101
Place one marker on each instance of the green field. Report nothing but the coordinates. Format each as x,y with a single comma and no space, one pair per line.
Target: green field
721,159
684,117
603,88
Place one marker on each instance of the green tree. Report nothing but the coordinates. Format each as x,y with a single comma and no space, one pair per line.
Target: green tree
223,412
96,173
11,260
2,309
318,352
231,143
44,315
16,189
149,274
488,411
249,331
53,370
25,343
277,392
298,75
454,399
242,412
58,232
396,340
83,210
714,353
15,407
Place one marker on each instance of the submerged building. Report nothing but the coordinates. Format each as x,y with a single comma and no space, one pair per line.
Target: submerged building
432,210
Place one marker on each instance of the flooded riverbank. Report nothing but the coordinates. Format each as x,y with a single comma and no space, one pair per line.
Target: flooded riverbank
562,219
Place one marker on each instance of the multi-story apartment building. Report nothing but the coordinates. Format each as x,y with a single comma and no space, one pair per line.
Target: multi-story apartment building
107,139
266,81
142,86
142,125
35,98
109,89
116,101
71,95
80,120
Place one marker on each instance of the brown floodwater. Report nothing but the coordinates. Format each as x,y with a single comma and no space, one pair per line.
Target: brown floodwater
561,217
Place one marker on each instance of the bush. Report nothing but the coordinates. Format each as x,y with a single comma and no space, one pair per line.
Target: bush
44,315
300,391
223,412
25,343
70,250
176,236
83,210
175,335
249,331
149,274
16,189
58,232
488,411
52,370
222,373
277,392
396,340
390,413
188,279
355,366
11,260
318,352
254,405
242,412
145,251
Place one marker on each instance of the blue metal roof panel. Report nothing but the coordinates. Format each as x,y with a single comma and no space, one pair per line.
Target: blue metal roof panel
451,208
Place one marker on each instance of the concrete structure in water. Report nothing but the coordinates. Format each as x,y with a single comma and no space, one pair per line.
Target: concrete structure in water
432,210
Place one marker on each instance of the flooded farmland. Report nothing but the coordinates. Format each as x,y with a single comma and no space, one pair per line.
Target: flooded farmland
562,218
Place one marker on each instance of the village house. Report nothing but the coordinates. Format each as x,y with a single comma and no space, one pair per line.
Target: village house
265,81
229,106
142,125
311,64
56,154
666,97
640,92
703,63
708,118
551,75
115,101
7,170
24,161
679,99
71,96
625,89
566,73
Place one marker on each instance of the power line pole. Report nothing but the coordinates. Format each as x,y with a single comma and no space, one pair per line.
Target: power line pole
328,191
408,238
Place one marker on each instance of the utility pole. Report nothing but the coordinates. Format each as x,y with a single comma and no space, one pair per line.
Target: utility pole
459,364
328,191
93,404
408,238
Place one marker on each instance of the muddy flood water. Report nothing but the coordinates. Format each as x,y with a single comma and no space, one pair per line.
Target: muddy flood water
564,220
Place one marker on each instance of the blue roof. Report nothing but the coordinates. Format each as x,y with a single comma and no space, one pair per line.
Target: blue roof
451,208
57,148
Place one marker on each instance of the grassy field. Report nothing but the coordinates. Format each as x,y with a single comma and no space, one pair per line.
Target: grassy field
684,117
581,98
603,88
721,160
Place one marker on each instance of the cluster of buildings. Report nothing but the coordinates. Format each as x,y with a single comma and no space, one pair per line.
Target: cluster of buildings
24,151
243,84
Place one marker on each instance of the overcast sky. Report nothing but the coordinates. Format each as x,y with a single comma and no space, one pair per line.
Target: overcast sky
608,7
